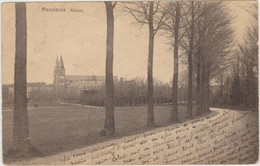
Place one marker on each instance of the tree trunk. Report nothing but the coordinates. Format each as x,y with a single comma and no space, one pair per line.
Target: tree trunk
21,132
207,90
109,126
198,85
190,53
199,64
150,112
203,86
221,90
227,101
174,115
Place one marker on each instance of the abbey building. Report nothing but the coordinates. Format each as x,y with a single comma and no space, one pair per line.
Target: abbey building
77,82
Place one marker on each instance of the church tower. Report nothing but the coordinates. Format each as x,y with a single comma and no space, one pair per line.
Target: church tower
59,73
55,74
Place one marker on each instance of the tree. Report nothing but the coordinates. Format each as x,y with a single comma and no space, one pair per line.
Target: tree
188,45
219,36
190,54
213,40
109,127
21,132
249,60
236,93
174,115
149,13
173,30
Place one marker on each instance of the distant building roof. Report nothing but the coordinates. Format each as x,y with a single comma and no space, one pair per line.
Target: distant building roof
85,81
85,78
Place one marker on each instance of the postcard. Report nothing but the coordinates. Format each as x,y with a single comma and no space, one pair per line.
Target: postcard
130,83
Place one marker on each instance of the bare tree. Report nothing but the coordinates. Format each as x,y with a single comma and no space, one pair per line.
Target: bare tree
174,115
188,45
149,13
109,127
207,43
248,58
213,45
21,133
190,53
174,31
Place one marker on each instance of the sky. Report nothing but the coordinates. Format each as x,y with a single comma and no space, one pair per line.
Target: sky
80,37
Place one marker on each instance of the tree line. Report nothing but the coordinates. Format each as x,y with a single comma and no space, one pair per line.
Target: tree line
127,93
201,31
239,83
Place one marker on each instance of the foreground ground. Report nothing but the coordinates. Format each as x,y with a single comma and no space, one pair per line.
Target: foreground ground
221,137
62,127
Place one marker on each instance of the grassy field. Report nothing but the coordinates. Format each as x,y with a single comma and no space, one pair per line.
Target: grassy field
58,128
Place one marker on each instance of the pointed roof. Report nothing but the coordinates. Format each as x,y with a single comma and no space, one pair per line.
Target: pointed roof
57,63
61,63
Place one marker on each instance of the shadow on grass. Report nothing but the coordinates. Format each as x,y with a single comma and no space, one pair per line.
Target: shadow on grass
12,156
74,142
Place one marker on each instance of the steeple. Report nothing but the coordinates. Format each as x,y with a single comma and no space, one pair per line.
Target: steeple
61,63
57,64
59,73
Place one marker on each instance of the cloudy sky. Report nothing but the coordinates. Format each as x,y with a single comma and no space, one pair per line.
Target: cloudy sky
80,37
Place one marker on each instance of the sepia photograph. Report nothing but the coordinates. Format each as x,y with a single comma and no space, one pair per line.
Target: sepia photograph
130,82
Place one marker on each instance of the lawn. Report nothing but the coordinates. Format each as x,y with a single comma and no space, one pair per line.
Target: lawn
61,127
